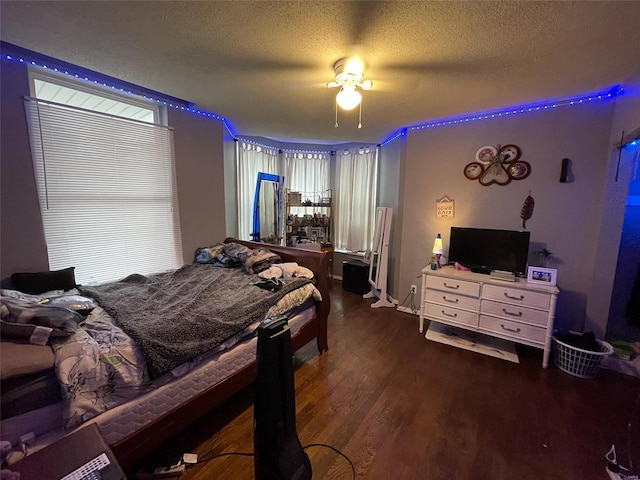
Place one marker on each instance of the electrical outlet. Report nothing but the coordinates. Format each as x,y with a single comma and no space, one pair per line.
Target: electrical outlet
414,289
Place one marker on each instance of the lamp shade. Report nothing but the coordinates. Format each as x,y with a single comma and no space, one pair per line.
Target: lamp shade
437,245
348,97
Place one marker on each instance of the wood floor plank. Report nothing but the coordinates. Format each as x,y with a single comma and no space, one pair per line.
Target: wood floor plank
402,407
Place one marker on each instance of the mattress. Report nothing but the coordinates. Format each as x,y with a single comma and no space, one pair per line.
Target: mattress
121,421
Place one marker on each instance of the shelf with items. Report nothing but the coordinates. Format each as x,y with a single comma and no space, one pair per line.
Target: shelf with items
308,217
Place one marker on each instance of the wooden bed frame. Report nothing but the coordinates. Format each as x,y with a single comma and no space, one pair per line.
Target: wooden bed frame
151,436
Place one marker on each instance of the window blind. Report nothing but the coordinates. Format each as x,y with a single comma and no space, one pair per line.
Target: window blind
107,192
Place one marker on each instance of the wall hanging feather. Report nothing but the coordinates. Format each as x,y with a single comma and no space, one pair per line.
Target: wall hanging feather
527,209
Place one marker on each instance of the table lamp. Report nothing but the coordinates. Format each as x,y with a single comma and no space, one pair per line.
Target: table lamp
437,249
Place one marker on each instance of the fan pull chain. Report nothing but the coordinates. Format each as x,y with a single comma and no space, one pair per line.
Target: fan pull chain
360,116
336,125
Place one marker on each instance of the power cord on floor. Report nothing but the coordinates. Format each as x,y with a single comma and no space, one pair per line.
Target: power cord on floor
227,454
410,296
203,458
353,468
248,454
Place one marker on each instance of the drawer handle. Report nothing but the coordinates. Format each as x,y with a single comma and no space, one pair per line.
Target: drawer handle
454,287
513,314
514,330
513,297
452,315
455,300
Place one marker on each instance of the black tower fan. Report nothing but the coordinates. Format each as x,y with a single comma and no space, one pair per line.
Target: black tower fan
278,451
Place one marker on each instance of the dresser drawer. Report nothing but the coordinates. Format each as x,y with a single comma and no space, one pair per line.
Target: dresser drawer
451,285
515,312
450,315
517,331
517,296
453,300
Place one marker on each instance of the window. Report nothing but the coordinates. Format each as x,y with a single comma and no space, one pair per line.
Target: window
45,87
303,171
106,184
307,172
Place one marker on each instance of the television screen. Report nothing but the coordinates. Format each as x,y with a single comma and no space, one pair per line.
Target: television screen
483,250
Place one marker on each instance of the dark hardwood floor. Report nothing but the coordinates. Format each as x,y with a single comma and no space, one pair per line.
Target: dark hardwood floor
402,407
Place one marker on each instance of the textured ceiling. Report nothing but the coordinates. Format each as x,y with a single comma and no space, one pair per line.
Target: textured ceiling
265,65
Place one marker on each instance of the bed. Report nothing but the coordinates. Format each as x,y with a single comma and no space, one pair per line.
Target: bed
181,393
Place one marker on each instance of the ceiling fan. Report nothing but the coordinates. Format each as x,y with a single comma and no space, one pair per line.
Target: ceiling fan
349,77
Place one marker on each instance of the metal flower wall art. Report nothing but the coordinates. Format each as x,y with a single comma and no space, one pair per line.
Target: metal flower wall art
497,165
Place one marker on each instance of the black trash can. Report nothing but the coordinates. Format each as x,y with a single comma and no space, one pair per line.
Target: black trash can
355,276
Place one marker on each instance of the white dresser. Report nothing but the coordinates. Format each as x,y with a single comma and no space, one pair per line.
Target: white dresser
518,311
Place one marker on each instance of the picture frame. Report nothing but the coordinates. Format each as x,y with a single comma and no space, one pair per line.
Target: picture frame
542,276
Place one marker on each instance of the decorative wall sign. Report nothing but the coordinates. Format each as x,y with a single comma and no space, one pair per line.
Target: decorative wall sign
497,165
445,207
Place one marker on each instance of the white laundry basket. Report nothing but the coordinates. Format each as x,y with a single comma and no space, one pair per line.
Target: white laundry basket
577,361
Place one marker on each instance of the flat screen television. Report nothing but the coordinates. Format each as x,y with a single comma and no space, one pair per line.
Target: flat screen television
483,250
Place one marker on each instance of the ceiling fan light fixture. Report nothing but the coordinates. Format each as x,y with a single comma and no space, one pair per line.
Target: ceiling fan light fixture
348,97
354,66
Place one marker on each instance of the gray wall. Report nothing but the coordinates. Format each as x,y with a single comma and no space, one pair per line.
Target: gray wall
200,176
615,187
566,218
199,172
390,161
22,233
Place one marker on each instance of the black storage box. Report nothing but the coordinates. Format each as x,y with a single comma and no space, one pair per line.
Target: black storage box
355,276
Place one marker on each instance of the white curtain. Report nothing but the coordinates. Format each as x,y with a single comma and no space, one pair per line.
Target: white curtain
107,192
355,199
251,160
307,172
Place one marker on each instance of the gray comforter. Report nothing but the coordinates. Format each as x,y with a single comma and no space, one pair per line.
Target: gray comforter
177,316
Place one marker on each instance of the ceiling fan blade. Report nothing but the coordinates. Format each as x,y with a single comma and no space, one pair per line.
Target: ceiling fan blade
403,84
298,84
249,64
332,84
364,16
453,67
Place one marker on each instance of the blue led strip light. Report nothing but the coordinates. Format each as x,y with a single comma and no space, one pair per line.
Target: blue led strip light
27,57
400,133
32,59
520,109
